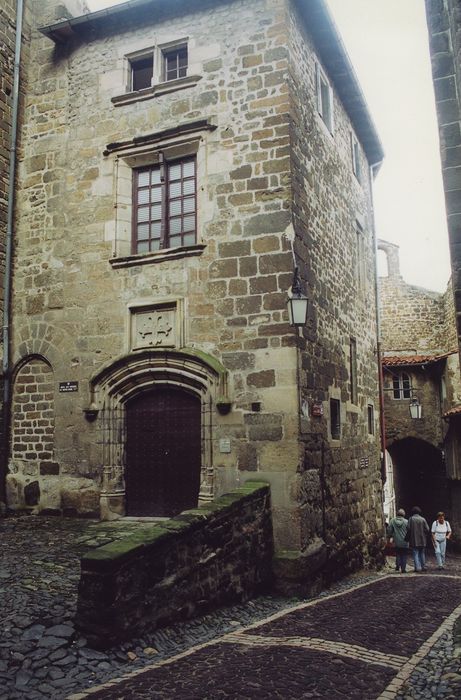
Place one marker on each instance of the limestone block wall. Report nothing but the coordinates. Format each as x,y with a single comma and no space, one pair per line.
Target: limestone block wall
269,174
338,483
184,567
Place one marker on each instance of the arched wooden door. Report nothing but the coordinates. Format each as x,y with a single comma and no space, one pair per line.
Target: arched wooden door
163,452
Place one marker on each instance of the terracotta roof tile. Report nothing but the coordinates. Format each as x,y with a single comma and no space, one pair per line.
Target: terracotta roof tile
456,411
403,360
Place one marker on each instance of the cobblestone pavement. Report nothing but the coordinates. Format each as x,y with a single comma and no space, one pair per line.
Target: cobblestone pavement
375,635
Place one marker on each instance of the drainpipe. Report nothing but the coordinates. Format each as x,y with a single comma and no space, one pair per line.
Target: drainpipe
382,423
9,253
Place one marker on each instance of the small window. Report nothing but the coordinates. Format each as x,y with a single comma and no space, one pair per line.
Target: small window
335,419
401,385
324,98
164,206
142,71
359,256
355,155
175,63
353,369
371,419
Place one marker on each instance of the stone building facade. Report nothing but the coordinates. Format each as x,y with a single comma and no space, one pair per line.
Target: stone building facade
176,166
420,363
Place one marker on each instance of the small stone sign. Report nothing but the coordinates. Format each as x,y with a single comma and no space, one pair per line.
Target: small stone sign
67,387
224,445
317,409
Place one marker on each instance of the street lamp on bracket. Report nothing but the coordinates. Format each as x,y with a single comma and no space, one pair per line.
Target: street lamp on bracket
297,303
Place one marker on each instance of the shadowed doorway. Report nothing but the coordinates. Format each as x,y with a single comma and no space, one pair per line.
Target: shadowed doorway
163,452
419,477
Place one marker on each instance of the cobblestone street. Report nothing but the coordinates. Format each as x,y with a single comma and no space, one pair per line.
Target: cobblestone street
372,636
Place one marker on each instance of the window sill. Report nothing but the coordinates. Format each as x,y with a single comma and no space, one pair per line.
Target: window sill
158,256
156,90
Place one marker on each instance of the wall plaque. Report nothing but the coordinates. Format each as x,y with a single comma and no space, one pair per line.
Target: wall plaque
67,387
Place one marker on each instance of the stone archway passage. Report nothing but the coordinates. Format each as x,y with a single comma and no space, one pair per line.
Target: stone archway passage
419,477
163,452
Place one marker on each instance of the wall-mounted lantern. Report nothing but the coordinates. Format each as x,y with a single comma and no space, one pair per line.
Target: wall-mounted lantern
297,303
415,409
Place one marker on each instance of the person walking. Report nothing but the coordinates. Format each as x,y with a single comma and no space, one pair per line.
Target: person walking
396,531
441,532
418,530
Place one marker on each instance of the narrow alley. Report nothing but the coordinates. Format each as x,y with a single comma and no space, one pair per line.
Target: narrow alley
374,635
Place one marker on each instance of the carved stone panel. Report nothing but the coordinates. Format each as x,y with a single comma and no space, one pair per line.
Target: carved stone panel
155,327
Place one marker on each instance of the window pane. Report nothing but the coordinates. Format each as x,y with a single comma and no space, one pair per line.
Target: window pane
189,168
189,223
141,72
189,239
175,189
189,186
143,196
156,212
156,195
143,247
143,178
188,205
175,207
182,73
175,172
155,245
175,241
156,176
156,230
143,214
143,232
175,226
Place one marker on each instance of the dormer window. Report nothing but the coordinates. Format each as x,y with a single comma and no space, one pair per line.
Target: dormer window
142,71
175,63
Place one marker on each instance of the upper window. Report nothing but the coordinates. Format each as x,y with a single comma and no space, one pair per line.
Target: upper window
174,63
353,369
401,385
360,270
335,419
324,98
355,155
164,206
142,72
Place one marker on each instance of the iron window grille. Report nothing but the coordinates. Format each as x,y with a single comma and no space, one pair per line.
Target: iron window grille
401,385
142,72
164,206
175,63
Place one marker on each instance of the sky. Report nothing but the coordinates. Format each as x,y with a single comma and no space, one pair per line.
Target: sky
388,46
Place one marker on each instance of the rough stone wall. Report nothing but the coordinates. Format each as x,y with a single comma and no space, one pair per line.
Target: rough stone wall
75,284
184,567
413,320
338,483
444,25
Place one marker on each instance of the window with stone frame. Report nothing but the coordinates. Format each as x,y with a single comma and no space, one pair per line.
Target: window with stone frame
355,156
324,96
141,71
371,419
335,419
175,61
164,205
401,385
353,370
360,268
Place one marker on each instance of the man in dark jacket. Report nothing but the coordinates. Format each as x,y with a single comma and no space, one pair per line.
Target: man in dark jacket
418,529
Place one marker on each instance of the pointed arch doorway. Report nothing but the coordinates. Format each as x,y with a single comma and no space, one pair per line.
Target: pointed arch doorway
163,452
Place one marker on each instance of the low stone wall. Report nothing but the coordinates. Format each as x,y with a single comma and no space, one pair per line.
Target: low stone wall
202,558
